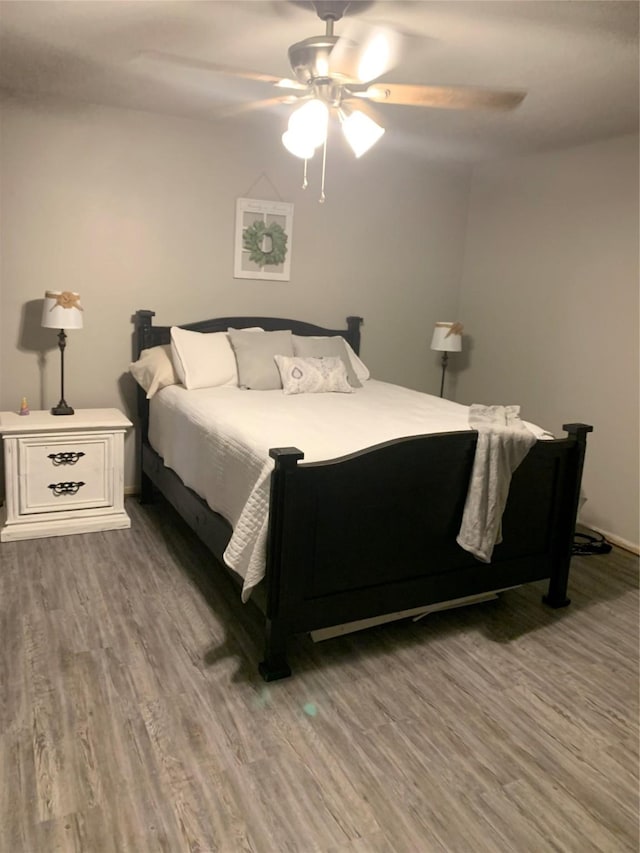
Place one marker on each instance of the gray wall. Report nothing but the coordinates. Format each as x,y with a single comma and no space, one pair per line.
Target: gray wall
135,210
549,298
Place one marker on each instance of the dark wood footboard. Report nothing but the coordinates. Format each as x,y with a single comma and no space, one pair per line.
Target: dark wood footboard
375,532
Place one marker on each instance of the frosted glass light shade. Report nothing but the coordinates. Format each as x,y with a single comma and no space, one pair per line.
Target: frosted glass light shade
447,337
361,132
61,310
309,123
297,146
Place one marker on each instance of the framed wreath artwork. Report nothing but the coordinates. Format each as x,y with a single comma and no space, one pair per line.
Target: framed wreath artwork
263,239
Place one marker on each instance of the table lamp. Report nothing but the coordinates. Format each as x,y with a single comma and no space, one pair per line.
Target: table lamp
61,310
447,337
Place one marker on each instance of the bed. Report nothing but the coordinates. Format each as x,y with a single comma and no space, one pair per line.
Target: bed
373,532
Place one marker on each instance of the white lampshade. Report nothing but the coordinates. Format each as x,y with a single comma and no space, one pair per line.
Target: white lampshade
361,132
447,337
61,310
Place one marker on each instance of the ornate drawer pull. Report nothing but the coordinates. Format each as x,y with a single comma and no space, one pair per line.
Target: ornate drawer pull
59,489
66,458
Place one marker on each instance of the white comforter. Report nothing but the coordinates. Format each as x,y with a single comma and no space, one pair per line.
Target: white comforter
218,440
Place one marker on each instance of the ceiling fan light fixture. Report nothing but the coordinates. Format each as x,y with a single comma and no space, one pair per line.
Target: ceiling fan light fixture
361,132
297,145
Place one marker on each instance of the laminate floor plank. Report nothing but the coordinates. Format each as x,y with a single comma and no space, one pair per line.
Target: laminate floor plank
76,833
309,735
376,843
19,813
14,681
209,816
132,718
546,754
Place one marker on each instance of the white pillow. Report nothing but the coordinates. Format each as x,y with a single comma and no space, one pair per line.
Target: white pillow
203,359
313,375
154,369
360,368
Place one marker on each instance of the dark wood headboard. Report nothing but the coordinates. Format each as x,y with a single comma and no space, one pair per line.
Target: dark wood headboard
147,335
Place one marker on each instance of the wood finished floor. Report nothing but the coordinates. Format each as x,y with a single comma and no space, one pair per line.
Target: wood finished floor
132,717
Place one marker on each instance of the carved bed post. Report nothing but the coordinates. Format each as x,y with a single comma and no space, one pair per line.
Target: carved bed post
143,322
275,664
557,592
353,325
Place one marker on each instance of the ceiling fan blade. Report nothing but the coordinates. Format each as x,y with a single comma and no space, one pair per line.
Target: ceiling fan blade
364,52
287,83
249,106
205,65
443,97
366,107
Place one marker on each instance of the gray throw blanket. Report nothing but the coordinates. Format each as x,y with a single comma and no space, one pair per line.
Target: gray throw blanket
503,442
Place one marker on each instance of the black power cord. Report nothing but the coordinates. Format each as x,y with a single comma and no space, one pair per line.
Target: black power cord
585,544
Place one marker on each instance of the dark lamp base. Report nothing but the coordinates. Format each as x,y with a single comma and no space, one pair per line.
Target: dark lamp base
62,409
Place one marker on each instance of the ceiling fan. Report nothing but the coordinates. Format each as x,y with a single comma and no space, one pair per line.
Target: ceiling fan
338,74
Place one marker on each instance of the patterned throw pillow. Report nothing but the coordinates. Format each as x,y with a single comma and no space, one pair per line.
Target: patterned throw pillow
313,375
319,347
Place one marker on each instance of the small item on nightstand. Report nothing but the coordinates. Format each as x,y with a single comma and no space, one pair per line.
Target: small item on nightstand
24,408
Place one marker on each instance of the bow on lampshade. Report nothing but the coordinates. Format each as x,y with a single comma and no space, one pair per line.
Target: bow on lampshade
62,310
447,337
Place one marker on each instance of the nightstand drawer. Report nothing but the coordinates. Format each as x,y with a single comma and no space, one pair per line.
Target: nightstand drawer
57,474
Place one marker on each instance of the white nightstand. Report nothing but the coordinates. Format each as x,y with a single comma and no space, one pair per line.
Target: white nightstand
63,473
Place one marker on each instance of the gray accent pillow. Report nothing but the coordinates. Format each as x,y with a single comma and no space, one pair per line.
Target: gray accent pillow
312,347
254,353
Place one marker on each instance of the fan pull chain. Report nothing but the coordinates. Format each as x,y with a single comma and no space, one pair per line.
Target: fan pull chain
305,182
324,169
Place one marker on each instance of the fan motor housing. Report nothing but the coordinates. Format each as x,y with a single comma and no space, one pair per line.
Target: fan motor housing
311,60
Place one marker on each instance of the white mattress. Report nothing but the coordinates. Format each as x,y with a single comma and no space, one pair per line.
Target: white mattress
218,439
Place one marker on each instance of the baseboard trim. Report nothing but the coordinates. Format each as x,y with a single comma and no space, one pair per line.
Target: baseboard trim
618,541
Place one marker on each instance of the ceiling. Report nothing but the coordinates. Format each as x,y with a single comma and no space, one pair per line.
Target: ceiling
576,59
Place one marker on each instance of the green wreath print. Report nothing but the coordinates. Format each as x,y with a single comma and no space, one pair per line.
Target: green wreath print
252,238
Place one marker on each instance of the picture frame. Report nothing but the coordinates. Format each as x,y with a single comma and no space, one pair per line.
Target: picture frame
263,239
